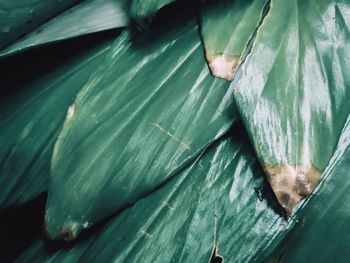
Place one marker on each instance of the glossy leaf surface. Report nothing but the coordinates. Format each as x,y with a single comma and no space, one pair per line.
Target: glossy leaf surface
323,232
293,92
18,17
226,27
32,112
211,204
85,18
151,108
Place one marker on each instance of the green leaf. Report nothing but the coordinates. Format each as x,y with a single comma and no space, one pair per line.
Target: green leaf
226,27
322,234
32,111
20,17
212,204
85,18
151,109
38,252
293,92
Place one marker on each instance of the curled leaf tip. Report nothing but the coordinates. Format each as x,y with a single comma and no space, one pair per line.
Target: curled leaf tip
291,184
223,66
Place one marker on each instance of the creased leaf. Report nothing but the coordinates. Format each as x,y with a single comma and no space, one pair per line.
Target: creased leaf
293,93
32,112
85,18
151,109
226,27
210,205
20,17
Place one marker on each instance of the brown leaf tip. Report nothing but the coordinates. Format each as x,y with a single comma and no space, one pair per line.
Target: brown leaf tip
67,233
223,66
291,184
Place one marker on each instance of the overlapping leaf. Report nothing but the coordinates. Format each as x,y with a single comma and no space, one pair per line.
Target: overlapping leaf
322,234
226,27
293,92
151,109
32,114
20,17
150,112
85,18
210,205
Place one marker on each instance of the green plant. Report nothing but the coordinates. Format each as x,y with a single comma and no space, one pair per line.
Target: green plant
153,141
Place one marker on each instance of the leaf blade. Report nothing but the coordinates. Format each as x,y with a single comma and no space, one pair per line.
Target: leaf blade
148,128
85,18
32,113
298,95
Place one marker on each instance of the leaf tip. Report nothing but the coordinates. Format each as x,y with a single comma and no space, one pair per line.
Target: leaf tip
223,66
66,233
291,184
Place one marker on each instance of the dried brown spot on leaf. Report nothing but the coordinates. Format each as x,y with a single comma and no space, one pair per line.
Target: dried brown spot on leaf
223,66
291,184
67,233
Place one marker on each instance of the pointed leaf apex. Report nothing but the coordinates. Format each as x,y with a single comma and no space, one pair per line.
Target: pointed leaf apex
223,66
291,184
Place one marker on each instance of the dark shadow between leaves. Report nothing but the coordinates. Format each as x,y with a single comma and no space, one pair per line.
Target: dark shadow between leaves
170,17
20,227
27,66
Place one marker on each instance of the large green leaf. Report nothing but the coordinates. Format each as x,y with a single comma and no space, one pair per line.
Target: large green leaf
293,92
33,108
18,17
151,109
322,234
211,205
226,27
85,18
